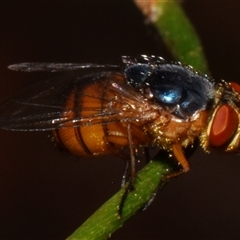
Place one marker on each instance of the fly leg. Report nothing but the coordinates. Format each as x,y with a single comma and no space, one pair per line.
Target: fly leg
146,154
130,166
180,157
178,154
160,185
125,173
149,202
129,187
110,141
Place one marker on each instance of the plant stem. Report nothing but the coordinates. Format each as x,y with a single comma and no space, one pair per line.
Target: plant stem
105,220
176,31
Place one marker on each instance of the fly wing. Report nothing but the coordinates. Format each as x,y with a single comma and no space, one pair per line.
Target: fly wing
58,67
43,107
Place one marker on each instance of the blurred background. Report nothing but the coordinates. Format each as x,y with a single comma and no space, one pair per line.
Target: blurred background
46,193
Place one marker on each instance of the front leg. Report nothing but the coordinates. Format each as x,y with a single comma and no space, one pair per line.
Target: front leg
180,157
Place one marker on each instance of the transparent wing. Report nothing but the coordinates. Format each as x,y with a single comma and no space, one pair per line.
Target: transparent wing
43,106
58,67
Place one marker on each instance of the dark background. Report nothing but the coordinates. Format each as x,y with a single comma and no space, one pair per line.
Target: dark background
47,194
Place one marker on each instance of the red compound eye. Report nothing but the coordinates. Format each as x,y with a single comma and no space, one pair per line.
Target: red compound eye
235,86
225,124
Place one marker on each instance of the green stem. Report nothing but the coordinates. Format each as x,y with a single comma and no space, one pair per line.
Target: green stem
180,36
176,30
105,220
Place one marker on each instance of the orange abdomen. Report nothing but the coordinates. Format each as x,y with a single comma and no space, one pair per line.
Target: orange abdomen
94,134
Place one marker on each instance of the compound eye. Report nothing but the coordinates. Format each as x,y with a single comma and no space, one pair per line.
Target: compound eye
225,124
235,86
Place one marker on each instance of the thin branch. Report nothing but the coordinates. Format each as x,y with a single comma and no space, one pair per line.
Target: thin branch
176,31
105,220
